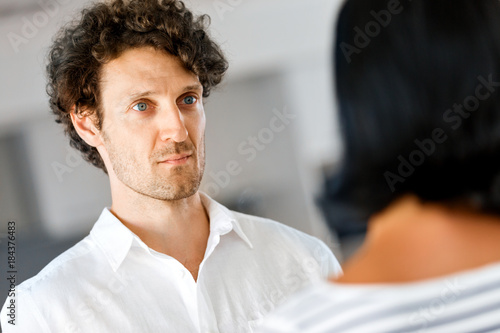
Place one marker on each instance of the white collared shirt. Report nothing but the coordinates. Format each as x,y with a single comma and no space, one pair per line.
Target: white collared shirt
112,282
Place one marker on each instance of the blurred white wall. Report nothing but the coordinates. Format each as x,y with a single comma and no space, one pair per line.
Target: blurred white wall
280,59
70,193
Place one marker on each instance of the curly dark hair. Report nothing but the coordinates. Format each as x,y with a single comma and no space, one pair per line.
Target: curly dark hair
102,34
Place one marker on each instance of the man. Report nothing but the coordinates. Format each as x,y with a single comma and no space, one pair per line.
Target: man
127,81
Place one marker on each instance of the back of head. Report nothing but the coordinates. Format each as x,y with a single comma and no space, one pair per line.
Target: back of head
419,102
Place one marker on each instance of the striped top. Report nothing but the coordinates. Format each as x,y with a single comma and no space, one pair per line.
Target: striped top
464,302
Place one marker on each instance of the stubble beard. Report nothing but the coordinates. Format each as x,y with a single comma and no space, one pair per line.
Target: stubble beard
181,181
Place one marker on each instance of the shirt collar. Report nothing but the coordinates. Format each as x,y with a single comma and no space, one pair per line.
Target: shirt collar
222,220
115,240
112,237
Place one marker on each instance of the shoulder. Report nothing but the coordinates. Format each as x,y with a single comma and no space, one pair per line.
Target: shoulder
273,236
54,283
470,299
263,227
63,266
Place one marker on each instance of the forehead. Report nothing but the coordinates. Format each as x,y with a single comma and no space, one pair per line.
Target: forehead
145,68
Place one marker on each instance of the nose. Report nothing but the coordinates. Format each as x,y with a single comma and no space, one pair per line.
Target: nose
171,124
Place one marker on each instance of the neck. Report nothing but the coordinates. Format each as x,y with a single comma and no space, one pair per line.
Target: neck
179,228
412,241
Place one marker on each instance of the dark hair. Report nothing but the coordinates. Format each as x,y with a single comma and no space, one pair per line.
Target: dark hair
106,30
419,103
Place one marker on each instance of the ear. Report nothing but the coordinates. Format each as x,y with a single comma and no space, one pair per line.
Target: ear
85,127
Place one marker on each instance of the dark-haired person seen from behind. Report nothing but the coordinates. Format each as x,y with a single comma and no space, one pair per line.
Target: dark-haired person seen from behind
419,106
127,81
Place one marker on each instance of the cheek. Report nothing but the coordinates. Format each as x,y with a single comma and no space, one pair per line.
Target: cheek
128,138
202,125
197,127
128,143
203,121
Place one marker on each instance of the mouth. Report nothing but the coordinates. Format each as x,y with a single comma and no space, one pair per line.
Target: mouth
176,159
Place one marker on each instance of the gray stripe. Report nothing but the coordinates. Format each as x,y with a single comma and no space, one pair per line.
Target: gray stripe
298,311
338,309
489,329
335,309
469,314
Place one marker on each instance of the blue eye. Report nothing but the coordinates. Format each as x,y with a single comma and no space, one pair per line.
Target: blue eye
140,106
189,100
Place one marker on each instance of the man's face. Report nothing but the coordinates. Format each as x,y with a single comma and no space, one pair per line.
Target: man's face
153,124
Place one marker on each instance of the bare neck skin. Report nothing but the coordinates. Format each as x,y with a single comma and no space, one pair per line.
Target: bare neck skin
179,228
412,241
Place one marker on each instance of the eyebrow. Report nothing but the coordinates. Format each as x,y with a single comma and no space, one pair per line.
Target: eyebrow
193,87
140,94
